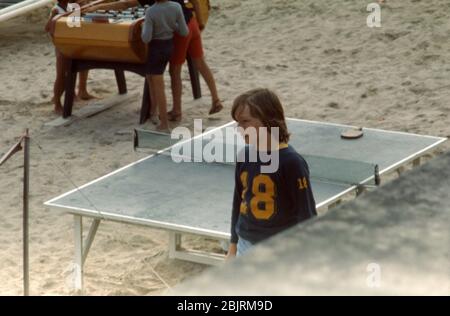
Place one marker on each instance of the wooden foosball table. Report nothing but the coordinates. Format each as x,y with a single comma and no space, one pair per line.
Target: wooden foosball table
108,40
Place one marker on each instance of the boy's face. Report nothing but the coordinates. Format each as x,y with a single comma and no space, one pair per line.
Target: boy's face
249,125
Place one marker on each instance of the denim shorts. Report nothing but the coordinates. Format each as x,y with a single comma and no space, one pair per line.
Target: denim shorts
243,246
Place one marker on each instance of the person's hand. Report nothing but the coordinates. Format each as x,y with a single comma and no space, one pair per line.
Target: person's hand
232,250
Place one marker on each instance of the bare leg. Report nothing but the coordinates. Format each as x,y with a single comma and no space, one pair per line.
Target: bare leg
177,87
58,88
83,94
206,73
157,86
153,109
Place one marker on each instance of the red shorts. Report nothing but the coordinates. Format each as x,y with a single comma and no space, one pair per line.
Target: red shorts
191,44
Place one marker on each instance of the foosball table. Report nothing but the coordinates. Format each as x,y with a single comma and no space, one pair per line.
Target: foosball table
108,40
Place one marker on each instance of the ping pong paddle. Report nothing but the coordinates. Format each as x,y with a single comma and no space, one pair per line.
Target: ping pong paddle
352,133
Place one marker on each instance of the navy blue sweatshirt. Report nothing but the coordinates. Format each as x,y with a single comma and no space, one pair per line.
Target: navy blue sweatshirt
267,203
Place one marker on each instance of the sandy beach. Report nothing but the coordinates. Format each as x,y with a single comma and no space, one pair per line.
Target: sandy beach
319,56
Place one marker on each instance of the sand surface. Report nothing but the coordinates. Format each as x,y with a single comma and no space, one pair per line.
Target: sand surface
319,56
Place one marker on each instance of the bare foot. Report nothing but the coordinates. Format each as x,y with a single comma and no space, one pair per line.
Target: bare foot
154,119
85,96
216,107
164,128
58,109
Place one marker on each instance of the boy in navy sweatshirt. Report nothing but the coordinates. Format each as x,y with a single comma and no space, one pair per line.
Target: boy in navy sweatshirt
266,203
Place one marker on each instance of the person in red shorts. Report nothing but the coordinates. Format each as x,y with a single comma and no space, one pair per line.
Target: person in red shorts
190,45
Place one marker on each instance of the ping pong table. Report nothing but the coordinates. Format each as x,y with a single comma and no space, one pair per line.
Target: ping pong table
196,197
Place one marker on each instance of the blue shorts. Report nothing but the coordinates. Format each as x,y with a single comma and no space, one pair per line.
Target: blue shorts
159,55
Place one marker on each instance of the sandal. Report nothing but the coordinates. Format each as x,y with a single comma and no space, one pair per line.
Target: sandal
216,107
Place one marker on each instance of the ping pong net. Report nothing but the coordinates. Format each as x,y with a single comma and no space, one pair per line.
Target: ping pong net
210,150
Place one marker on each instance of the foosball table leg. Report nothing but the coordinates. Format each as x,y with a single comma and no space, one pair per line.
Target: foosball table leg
146,103
195,80
121,82
69,87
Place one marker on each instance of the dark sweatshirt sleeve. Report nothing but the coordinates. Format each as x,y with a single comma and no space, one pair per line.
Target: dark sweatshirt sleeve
236,204
299,186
